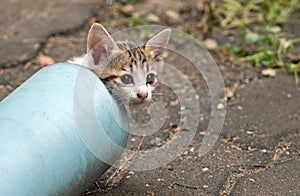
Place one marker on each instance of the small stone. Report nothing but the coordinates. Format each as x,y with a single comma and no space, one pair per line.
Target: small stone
127,8
131,172
268,72
239,107
36,46
202,133
132,139
210,44
236,138
173,15
174,103
152,18
205,169
136,15
192,149
220,106
250,132
205,186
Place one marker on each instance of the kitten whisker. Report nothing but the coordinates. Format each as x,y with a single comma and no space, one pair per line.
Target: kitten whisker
164,94
121,102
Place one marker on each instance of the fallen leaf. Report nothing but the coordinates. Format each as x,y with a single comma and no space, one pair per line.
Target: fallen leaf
229,92
9,87
45,60
156,141
92,20
237,85
27,65
150,193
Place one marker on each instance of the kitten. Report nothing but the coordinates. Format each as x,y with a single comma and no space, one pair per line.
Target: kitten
127,70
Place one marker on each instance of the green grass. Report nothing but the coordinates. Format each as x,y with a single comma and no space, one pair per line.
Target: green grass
137,22
265,45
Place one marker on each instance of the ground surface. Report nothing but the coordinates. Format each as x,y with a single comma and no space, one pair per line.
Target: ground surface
258,150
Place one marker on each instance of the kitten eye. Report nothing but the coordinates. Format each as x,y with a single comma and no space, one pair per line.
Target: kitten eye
150,78
126,79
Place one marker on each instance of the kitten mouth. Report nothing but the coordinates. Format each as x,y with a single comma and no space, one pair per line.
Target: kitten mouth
138,101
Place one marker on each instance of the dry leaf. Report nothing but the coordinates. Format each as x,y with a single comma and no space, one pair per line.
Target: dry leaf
26,66
45,60
92,20
150,193
156,141
237,85
9,87
229,92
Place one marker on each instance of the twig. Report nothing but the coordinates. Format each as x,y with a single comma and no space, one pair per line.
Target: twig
126,162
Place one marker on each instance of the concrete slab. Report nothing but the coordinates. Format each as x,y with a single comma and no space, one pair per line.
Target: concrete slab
25,24
265,111
283,179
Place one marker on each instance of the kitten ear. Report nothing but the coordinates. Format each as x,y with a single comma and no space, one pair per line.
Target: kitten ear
157,44
99,43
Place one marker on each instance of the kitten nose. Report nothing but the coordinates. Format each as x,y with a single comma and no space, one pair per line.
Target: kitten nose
142,95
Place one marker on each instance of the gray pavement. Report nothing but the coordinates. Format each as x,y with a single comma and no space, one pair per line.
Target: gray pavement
25,25
257,153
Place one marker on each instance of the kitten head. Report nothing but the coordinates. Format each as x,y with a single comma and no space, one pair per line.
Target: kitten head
128,70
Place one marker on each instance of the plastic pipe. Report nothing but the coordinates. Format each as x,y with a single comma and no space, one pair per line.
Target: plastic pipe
59,131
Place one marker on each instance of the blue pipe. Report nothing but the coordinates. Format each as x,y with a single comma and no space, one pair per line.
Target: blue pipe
59,131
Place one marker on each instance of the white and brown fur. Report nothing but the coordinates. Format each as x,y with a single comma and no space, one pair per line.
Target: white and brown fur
124,61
